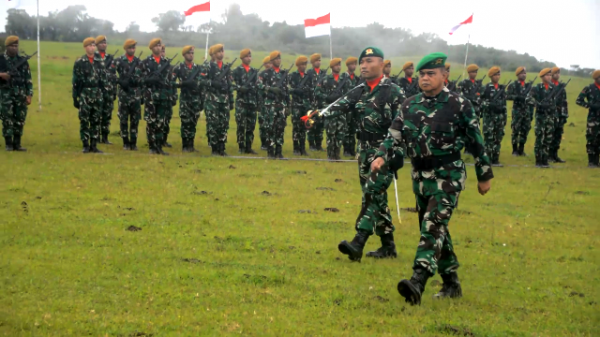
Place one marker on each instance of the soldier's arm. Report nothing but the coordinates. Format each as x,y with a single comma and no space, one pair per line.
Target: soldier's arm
320,96
469,127
532,96
581,99
104,80
27,77
511,92
75,80
391,150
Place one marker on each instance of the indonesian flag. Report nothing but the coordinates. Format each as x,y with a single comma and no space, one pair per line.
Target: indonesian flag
469,20
201,14
205,7
317,27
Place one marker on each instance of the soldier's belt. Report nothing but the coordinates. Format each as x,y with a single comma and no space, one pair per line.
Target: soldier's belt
369,137
430,163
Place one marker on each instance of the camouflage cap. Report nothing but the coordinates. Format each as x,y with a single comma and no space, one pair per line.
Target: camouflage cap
11,40
493,71
596,74
370,52
545,72
520,70
407,65
472,67
301,60
88,41
100,39
432,61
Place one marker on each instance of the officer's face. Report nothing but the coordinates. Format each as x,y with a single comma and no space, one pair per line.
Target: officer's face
336,69
387,69
317,64
157,49
547,78
89,50
432,80
13,49
302,67
496,78
371,67
247,60
276,62
101,46
522,76
268,65
189,56
219,55
352,67
130,51
410,71
473,74
556,77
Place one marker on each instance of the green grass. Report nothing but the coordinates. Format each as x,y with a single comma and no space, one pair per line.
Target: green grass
216,255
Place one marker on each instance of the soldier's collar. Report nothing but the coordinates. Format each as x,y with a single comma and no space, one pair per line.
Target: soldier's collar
442,97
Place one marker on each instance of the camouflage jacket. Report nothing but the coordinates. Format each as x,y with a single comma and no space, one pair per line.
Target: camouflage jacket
539,97
487,94
222,94
122,67
270,79
111,75
375,109
241,78
182,72
434,127
314,79
328,90
89,77
354,80
301,89
18,85
588,96
469,90
410,89
162,91
561,100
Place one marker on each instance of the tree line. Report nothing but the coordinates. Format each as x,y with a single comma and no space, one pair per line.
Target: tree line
237,31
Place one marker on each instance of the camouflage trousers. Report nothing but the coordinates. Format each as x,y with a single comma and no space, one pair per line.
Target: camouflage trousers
437,193
261,122
106,113
298,126
520,125
336,129
245,119
90,114
493,132
315,134
217,121
274,123
544,131
155,113
374,216
350,136
189,113
168,117
129,114
592,133
559,130
13,113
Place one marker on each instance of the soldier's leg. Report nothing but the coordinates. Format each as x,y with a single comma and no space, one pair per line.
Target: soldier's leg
280,122
250,116
135,115
320,128
124,116
20,115
106,117
167,123
261,129
375,214
514,127
84,126
240,123
196,116
592,136
269,125
95,124
296,129
224,116
548,136
150,118
330,133
539,137
7,120
488,133
211,123
186,115
162,109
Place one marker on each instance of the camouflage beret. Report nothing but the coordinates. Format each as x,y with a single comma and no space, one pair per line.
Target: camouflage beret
186,49
520,70
315,57
245,52
129,43
493,71
351,60
370,52
596,74
301,60
274,54
11,40
472,67
555,70
154,43
407,65
545,72
217,48
387,63
447,66
335,62
88,41
100,39
266,60
432,61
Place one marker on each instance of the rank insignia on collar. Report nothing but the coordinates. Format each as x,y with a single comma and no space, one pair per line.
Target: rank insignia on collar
369,51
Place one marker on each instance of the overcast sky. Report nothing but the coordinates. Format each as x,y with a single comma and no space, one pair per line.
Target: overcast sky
565,32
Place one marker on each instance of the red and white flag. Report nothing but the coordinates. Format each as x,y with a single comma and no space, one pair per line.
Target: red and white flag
205,7
317,27
469,20
197,15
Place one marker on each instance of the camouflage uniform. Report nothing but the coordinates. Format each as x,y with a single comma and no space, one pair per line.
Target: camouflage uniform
522,114
275,109
560,119
352,119
88,81
190,101
435,130
469,90
261,117
544,120
157,96
494,119
245,106
13,100
589,98
130,96
315,134
219,101
109,94
411,87
336,125
171,77
302,92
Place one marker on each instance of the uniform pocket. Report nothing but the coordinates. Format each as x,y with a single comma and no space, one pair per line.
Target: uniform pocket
442,135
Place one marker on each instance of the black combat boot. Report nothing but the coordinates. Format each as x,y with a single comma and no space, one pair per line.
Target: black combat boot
296,148
354,249
214,149
544,162
557,159
17,144
387,250
160,150
86,147
186,146
249,149
318,145
222,150
413,289
451,287
166,144
105,139
496,161
126,145
279,152
592,161
9,143
522,150
94,146
133,144
271,152
192,146
262,144
515,150
303,149
242,148
312,146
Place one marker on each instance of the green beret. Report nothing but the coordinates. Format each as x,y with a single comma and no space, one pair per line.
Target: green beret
370,51
432,61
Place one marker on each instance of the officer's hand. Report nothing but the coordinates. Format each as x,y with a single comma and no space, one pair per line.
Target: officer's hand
377,164
28,100
5,76
484,186
76,103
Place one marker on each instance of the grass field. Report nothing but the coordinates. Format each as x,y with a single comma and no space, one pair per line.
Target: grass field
227,246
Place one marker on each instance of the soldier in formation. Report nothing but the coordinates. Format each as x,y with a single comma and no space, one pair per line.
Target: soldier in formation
522,113
493,105
109,94
408,83
540,97
245,79
188,76
387,69
261,114
301,103
562,114
351,118
172,99
315,134
16,91
589,98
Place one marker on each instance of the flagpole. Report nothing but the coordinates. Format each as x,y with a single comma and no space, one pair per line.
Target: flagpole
206,48
39,65
330,44
466,55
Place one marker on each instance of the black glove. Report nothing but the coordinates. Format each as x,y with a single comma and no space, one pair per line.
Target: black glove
75,103
276,90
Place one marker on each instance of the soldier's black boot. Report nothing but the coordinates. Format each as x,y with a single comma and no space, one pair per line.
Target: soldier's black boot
86,147
152,146
186,145
126,145
354,249
592,161
222,150
387,250
262,144
557,159
192,146
522,150
279,152
242,148
515,150
94,146
312,146
17,144
303,149
105,140
296,148
9,143
451,287
214,152
249,149
133,144
318,145
166,144
160,150
544,162
412,290
271,152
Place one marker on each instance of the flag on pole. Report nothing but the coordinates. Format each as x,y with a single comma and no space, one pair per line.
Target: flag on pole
317,27
205,7
196,15
469,20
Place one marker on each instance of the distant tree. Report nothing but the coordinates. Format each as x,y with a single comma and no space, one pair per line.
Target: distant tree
170,21
133,28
